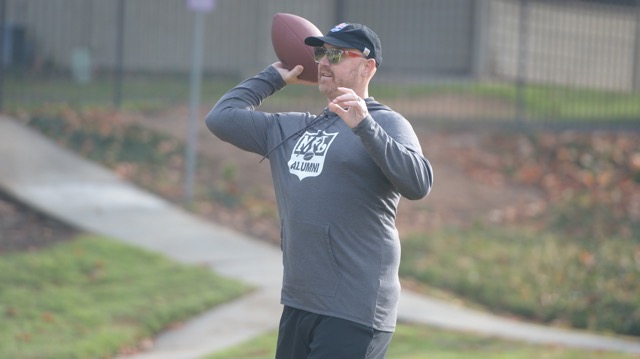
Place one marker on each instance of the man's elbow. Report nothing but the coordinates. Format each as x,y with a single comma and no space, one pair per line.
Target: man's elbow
218,120
211,120
423,185
420,192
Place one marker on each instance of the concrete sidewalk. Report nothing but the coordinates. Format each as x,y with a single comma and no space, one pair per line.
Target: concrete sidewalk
87,196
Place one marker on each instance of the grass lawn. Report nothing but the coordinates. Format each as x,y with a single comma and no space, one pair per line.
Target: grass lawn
155,92
544,275
416,342
93,298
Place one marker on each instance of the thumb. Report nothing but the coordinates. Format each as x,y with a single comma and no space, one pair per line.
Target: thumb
291,76
297,70
336,109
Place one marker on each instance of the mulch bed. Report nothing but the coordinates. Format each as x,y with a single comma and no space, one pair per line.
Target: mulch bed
22,228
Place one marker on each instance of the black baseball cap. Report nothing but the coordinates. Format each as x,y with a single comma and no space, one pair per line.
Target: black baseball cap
351,36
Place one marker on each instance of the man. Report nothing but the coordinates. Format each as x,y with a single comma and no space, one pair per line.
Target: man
338,178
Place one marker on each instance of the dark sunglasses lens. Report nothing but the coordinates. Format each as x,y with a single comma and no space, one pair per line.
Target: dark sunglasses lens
333,55
318,53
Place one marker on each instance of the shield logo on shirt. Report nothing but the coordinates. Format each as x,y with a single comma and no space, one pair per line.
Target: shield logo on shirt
307,158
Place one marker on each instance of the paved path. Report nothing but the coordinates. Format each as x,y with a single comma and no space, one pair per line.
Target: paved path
89,197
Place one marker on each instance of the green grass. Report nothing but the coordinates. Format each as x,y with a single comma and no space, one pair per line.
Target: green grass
91,297
538,101
155,92
538,275
417,342
141,92
560,102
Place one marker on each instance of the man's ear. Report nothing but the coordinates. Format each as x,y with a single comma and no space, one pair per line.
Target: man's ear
370,69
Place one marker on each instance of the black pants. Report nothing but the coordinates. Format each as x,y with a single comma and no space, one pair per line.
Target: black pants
305,335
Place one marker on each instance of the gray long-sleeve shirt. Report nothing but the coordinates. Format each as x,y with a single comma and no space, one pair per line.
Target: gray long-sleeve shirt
337,191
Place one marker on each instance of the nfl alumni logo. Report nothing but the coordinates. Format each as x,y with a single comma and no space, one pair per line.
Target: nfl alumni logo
307,158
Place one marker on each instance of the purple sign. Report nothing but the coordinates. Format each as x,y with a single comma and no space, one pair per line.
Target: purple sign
201,5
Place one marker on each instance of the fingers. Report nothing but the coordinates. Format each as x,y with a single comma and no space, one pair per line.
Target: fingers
349,106
348,99
287,75
346,105
337,109
346,91
291,76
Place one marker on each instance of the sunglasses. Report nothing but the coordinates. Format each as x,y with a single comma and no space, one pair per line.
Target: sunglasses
334,54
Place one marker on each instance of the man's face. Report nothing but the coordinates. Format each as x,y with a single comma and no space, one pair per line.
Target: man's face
345,73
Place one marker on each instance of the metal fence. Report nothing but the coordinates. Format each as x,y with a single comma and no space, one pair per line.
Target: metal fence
519,61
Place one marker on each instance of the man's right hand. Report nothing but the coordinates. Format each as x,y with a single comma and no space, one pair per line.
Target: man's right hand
290,77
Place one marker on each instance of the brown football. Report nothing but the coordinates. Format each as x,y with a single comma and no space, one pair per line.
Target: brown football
288,32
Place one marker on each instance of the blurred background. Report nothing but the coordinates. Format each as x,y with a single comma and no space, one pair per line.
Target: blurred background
528,110
561,61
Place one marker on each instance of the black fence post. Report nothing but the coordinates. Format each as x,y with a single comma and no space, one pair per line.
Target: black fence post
3,35
636,53
521,76
117,91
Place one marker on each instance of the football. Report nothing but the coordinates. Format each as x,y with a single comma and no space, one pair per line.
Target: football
288,32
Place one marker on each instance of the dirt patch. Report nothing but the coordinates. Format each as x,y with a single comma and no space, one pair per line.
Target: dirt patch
22,228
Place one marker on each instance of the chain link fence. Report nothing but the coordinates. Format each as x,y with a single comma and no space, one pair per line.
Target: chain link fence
561,62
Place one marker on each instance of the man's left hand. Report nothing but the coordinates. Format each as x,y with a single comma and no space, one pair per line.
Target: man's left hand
349,106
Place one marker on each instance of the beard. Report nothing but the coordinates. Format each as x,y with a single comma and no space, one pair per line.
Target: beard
328,85
328,88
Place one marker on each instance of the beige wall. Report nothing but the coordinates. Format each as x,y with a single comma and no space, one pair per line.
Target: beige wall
158,32
589,46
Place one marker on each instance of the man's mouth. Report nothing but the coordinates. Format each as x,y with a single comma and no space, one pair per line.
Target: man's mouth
325,73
